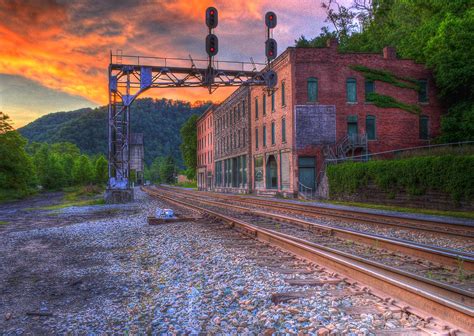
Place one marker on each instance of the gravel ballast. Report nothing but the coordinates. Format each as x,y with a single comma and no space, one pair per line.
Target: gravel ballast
120,274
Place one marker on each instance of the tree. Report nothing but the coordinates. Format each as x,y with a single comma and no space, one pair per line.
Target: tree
101,170
189,146
17,177
56,177
167,169
82,171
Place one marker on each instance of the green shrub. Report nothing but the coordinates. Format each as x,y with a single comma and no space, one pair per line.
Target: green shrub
452,174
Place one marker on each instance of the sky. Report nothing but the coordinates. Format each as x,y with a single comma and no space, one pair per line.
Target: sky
55,53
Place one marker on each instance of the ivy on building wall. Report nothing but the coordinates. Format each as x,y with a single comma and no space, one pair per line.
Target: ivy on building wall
384,101
387,77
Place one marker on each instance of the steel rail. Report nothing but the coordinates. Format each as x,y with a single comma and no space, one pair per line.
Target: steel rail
424,298
433,253
360,216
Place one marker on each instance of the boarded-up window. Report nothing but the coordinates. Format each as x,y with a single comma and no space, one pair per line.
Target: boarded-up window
312,85
273,101
283,130
424,128
256,138
370,127
256,107
283,93
264,136
244,166
423,93
351,90
273,132
285,170
369,88
264,107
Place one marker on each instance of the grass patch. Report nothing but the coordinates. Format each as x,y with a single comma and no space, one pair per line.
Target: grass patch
3,223
458,214
192,184
70,204
80,193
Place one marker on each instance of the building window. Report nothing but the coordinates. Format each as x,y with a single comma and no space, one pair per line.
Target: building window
264,107
264,140
238,144
351,90
273,132
312,85
256,107
244,166
423,93
369,88
283,93
256,138
273,101
424,128
283,130
370,127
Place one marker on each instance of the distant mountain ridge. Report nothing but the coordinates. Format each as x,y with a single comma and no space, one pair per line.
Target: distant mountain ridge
159,120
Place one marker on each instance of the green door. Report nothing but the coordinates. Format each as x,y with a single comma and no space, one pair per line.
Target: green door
307,172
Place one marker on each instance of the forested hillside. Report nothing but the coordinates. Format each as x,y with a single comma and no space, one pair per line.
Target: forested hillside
159,121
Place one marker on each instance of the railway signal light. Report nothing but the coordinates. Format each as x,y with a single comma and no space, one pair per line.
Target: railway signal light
271,78
271,48
212,45
270,20
211,17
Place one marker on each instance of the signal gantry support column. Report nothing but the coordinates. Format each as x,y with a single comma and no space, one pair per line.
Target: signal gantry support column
118,187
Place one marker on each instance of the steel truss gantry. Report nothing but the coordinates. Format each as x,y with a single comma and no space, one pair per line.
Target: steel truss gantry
128,80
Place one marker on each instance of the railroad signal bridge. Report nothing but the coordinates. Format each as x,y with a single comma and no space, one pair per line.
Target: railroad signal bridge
130,76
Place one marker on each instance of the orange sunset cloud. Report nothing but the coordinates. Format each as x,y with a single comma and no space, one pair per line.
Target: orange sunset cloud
64,45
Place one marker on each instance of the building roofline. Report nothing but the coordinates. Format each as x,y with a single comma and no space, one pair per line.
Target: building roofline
207,111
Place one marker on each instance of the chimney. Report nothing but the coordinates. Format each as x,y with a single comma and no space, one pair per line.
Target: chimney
332,43
389,53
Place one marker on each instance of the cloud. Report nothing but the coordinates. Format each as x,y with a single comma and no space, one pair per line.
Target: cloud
64,45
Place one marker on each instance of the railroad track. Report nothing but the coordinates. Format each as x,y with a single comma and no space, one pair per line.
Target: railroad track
424,297
441,255
461,230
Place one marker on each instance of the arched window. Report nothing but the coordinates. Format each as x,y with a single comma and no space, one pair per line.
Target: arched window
312,85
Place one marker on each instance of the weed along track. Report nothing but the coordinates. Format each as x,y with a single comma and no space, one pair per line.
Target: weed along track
433,283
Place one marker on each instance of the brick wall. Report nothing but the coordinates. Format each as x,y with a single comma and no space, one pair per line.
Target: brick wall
205,149
232,137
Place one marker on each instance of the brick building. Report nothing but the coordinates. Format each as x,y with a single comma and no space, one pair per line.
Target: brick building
232,143
205,150
325,106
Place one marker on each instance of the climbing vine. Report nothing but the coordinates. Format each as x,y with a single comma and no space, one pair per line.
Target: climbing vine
387,102
387,77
